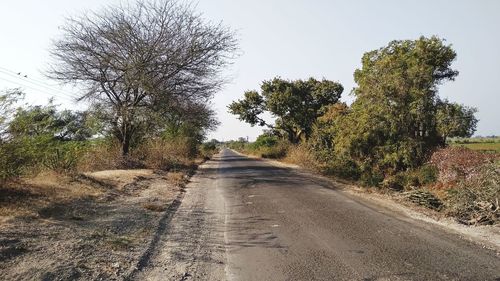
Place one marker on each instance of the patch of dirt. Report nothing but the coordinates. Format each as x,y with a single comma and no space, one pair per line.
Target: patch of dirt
94,227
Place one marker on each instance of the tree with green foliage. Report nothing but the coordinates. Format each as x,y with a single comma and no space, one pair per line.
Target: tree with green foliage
325,130
39,136
455,120
295,104
63,125
8,101
395,121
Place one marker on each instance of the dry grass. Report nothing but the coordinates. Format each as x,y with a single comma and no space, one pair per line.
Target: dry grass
119,178
177,178
102,156
155,207
25,196
301,155
164,155
119,243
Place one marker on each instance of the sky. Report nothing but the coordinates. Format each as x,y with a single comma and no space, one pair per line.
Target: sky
292,39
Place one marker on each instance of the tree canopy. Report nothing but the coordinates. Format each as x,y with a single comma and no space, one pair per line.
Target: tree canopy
397,117
295,105
138,59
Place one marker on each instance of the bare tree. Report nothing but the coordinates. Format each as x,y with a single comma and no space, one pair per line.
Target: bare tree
136,58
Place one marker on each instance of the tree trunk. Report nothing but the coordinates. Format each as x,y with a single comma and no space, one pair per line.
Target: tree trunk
125,146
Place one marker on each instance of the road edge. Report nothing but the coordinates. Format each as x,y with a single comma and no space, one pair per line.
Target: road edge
485,236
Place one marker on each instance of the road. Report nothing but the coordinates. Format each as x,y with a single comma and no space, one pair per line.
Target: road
247,219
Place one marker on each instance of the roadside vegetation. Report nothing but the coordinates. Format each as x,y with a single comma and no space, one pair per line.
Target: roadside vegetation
147,97
101,179
395,136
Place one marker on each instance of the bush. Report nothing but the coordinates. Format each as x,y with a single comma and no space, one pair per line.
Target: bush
475,200
63,157
459,163
208,149
371,177
302,155
277,151
342,167
100,155
395,182
427,174
412,178
265,140
165,154
12,161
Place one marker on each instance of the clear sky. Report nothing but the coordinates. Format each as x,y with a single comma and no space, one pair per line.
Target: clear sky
293,39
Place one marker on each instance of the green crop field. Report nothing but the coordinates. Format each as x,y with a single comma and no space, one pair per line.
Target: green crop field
486,146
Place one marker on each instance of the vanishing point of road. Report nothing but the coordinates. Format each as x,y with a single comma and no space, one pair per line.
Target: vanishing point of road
247,219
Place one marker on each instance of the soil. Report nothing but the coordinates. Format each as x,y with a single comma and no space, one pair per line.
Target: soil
97,226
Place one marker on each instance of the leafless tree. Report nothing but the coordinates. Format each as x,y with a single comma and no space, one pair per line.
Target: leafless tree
140,57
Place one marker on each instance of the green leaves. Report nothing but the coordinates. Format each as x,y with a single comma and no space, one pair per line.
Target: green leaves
249,108
455,120
295,104
398,116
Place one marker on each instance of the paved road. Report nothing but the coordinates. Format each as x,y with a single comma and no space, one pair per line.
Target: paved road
245,219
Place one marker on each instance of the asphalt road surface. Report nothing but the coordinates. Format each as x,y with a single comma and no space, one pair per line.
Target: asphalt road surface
246,219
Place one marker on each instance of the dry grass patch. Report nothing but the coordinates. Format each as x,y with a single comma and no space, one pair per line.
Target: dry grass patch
155,207
120,178
177,178
22,198
301,155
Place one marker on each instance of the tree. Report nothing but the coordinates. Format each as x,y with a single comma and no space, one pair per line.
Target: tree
326,129
455,120
392,124
37,121
8,100
295,104
134,59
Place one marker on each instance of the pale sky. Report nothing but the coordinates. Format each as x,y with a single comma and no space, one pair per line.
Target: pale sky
294,39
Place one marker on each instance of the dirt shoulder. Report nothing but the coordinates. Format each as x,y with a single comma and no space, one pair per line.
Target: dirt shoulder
485,235
97,226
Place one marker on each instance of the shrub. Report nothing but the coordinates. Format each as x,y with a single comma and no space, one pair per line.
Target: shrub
12,161
208,149
302,155
63,157
343,167
164,154
459,163
427,174
265,140
277,151
371,177
412,178
395,182
475,200
100,155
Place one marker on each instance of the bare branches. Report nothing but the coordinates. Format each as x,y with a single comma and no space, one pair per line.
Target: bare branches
131,55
